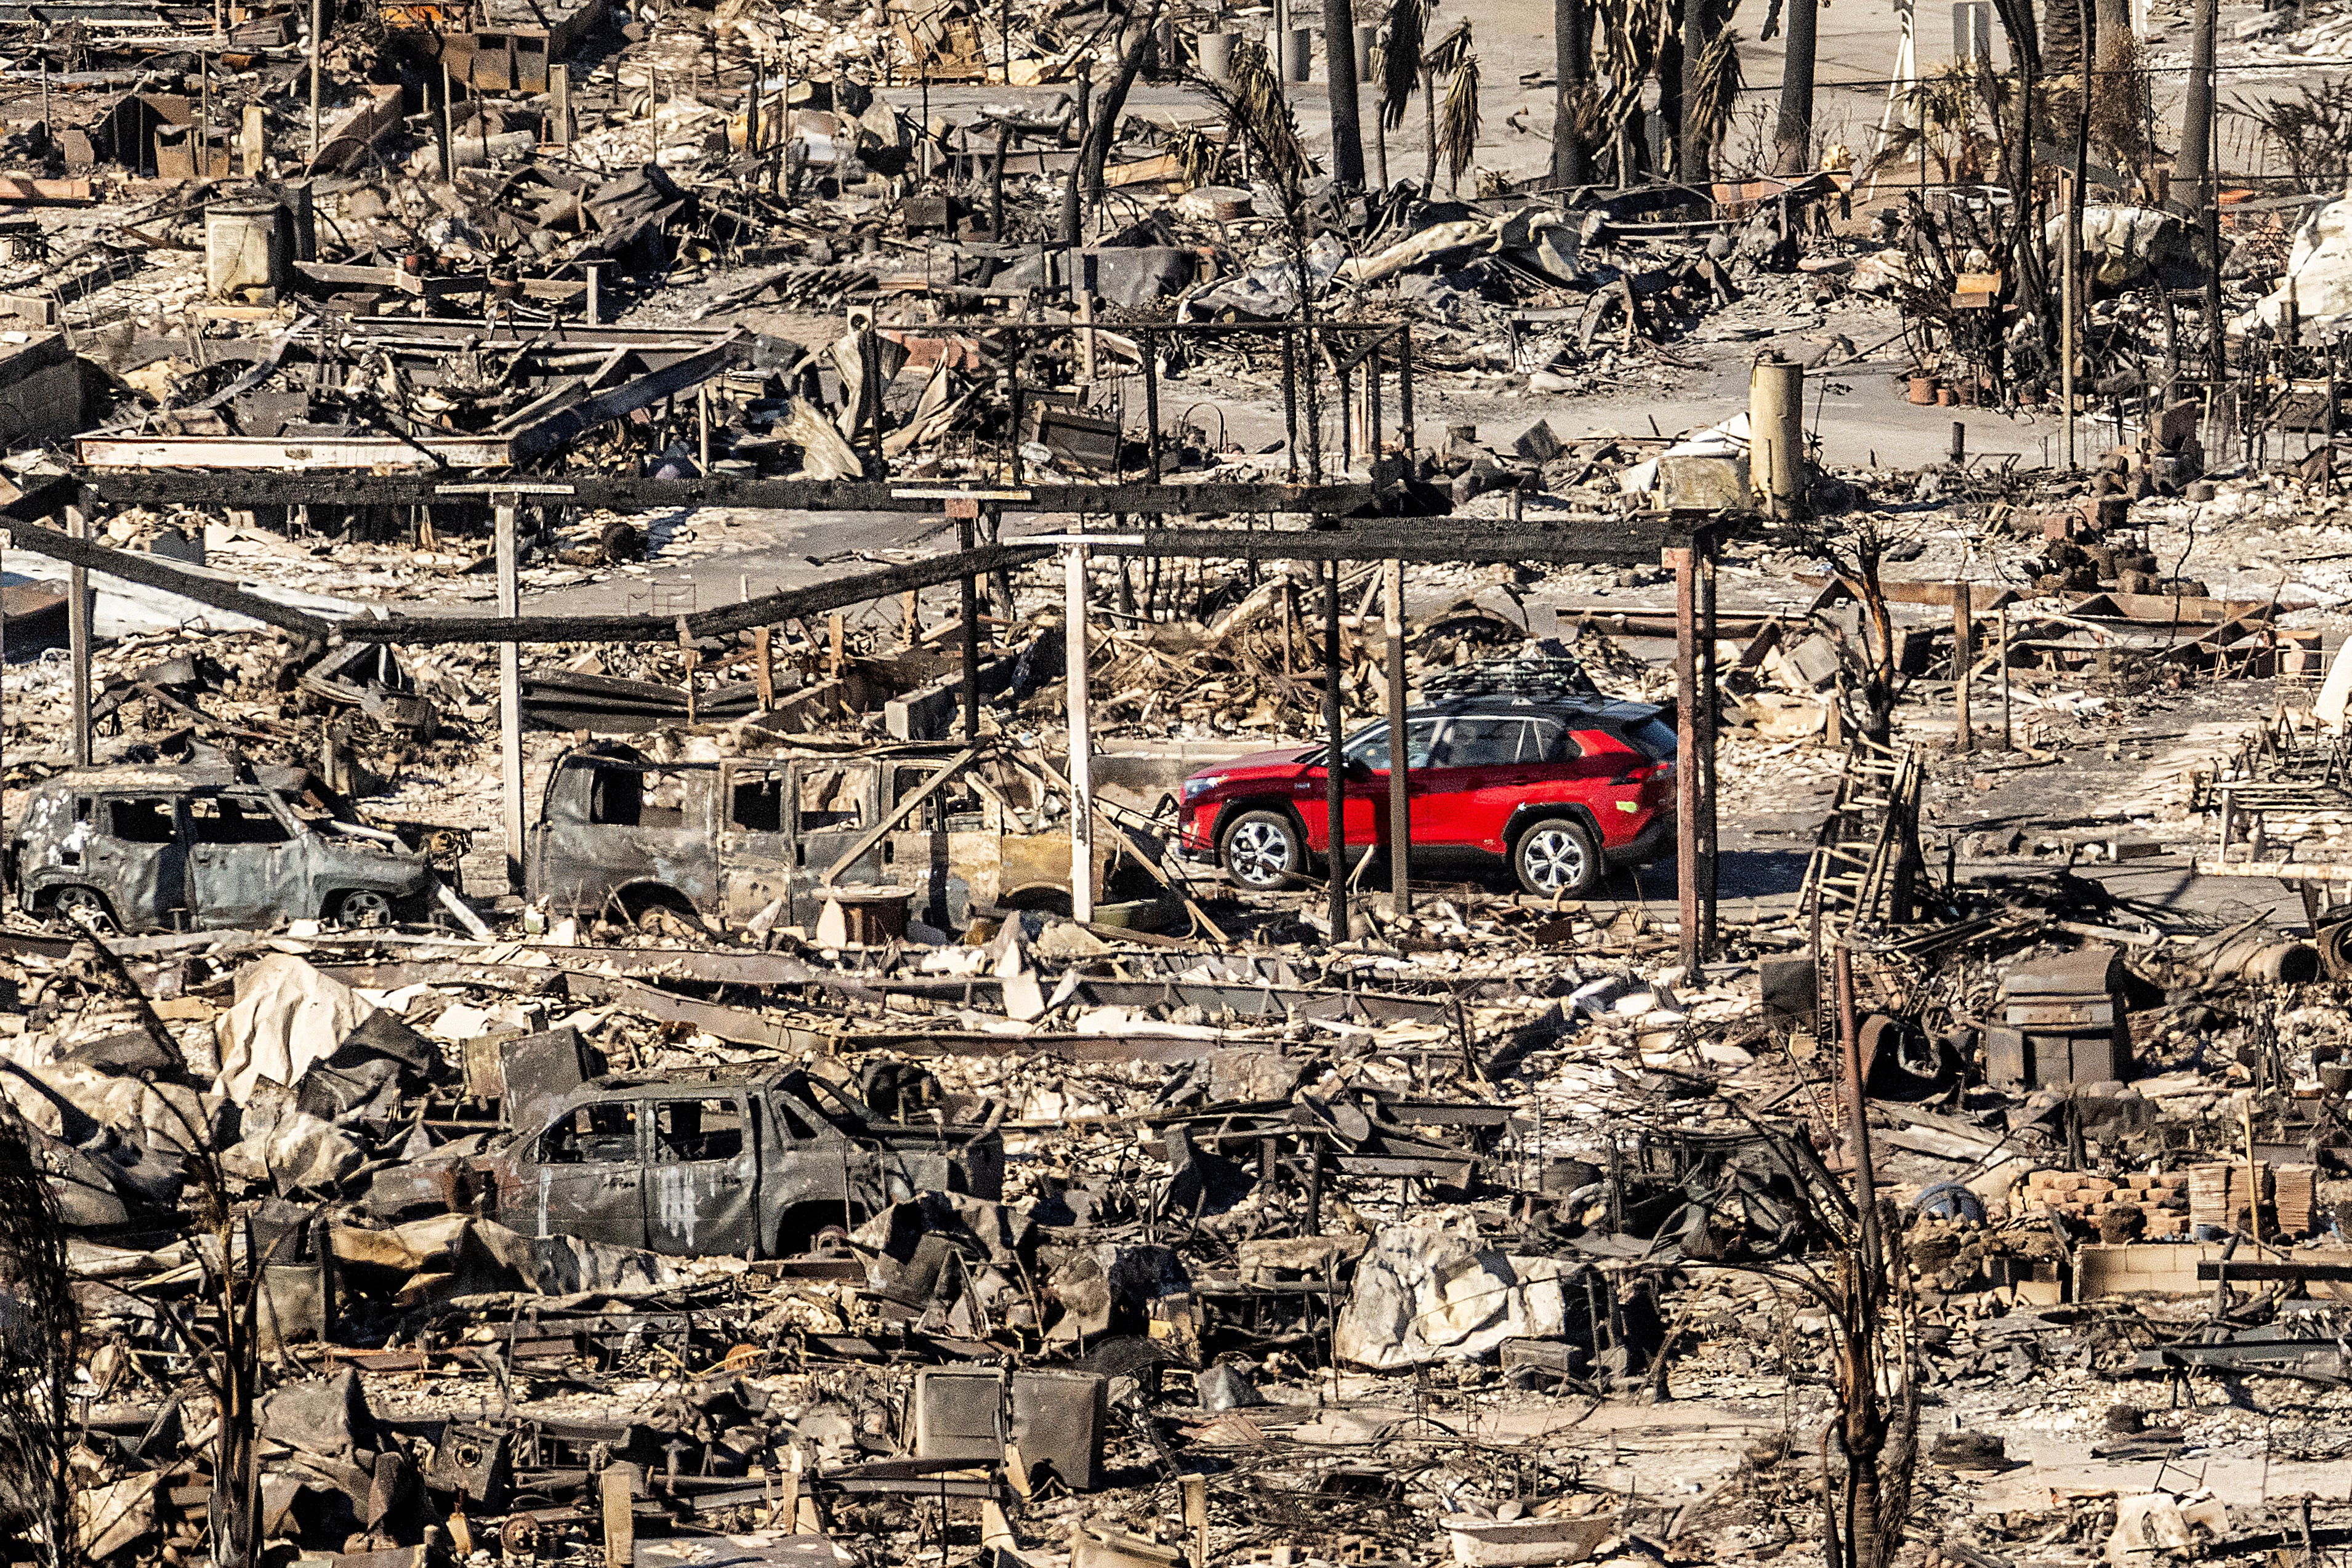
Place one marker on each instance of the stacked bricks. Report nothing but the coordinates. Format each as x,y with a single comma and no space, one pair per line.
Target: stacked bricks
2164,1199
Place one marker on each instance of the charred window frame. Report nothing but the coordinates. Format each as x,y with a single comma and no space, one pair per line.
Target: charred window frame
237,819
757,802
600,1133
700,1130
144,819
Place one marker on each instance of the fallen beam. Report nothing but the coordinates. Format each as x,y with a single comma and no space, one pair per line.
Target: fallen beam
152,571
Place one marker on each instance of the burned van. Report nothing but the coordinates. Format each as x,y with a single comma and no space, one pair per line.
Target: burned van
622,834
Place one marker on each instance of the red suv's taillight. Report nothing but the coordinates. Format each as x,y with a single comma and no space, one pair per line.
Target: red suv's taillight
1643,775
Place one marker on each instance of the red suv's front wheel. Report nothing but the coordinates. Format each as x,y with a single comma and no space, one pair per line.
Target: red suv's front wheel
1262,851
1557,856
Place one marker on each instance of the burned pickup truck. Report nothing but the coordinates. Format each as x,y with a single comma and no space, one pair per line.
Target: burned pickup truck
155,848
621,833
727,1161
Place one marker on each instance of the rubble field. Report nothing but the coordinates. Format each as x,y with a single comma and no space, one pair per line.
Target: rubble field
1147,785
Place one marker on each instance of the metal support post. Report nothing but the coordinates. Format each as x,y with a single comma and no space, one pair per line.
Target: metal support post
1964,644
1710,860
1082,785
1400,759
966,514
1687,781
77,639
1335,774
511,698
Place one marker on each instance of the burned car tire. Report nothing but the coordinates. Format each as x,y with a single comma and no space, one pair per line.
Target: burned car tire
75,907
361,906
1556,857
1263,851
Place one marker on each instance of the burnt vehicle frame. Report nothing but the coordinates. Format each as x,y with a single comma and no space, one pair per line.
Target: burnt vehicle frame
727,1160
726,841
144,848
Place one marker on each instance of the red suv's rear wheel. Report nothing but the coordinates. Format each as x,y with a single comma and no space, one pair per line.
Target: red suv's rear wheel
1263,851
1557,856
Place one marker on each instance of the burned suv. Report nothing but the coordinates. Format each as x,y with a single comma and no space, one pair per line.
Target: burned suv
155,848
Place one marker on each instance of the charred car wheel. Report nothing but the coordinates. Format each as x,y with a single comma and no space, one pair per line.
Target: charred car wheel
1556,857
82,907
1263,851
364,906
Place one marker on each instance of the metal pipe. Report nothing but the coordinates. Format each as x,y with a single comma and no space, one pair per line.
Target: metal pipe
1334,765
1400,761
1686,835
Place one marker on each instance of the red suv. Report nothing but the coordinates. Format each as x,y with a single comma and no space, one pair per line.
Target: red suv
1559,789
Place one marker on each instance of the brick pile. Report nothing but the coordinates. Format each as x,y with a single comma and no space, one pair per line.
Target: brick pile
2162,1197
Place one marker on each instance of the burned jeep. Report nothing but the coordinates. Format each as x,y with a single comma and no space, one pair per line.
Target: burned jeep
622,834
153,847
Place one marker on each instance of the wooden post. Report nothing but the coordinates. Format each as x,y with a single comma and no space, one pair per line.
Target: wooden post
1963,655
615,1491
764,668
77,639
1335,774
511,698
250,143
702,428
1082,784
910,608
559,103
1686,835
833,631
1400,761
1196,1518
2007,741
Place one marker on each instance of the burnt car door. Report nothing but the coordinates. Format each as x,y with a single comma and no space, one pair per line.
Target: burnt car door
755,842
833,805
243,869
587,1176
702,1175
136,854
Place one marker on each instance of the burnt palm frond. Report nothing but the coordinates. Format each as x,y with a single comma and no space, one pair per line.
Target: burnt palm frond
1399,70
1457,124
1448,53
1719,88
1254,106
